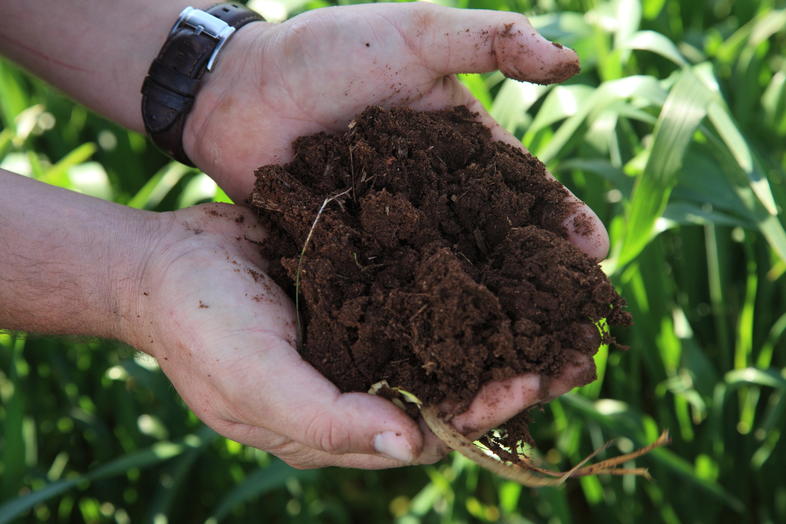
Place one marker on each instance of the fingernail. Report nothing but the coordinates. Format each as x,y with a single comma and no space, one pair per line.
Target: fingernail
393,445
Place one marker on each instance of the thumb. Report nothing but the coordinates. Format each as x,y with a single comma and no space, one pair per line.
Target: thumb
453,40
291,398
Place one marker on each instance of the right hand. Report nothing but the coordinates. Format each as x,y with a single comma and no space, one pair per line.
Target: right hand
224,334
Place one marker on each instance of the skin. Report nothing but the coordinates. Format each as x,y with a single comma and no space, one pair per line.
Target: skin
188,287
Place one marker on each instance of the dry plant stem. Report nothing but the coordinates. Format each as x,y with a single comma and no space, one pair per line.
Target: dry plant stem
455,440
302,255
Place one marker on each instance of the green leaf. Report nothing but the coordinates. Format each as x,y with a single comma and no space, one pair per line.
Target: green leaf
644,89
756,377
751,186
91,179
656,43
512,102
255,485
773,101
738,147
159,186
178,471
221,196
141,459
15,97
684,109
58,174
200,188
16,508
13,402
477,86
686,213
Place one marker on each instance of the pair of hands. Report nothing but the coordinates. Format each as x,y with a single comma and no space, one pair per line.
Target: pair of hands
220,329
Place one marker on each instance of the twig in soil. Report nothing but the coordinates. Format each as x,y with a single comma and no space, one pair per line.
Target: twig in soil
524,475
302,255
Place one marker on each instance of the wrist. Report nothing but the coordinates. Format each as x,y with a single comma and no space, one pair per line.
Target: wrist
171,251
74,269
177,74
217,116
140,236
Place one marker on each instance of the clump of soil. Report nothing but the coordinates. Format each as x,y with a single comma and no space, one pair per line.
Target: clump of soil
435,258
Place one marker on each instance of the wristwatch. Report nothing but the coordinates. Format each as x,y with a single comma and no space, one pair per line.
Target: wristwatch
174,77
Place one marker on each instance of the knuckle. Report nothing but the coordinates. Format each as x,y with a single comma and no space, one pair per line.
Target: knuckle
301,458
425,11
301,27
327,434
299,465
522,19
432,456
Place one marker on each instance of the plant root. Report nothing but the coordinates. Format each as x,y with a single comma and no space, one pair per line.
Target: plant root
531,475
303,254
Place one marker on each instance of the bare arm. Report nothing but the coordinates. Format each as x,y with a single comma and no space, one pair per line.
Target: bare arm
96,51
69,261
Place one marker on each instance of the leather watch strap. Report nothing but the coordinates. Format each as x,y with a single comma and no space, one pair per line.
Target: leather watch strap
173,80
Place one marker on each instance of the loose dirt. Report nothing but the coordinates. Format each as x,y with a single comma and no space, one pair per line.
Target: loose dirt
438,261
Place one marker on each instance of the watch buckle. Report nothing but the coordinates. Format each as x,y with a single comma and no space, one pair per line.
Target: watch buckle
203,22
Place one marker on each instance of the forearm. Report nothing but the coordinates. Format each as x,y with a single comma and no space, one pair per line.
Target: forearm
96,51
69,263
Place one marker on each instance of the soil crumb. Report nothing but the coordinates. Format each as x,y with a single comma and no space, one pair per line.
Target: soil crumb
438,262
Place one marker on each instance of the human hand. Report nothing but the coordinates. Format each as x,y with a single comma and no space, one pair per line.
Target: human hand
224,334
318,70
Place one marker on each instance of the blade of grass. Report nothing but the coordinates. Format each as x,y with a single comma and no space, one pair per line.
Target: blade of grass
643,88
477,86
13,452
656,43
717,292
161,505
159,185
58,174
159,452
15,94
685,107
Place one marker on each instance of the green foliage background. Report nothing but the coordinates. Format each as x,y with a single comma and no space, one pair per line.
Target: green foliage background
673,133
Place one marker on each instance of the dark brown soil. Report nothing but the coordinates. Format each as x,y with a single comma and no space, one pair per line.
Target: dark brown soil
438,262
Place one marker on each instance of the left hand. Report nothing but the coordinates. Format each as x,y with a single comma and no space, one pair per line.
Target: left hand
315,72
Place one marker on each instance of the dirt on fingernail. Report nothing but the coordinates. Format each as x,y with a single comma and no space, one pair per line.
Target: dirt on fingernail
583,225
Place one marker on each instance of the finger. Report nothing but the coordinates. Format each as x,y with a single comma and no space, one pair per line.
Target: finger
298,455
495,403
479,41
583,227
499,401
578,370
286,395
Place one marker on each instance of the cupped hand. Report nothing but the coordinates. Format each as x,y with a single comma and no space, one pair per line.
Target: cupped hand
315,72
224,334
